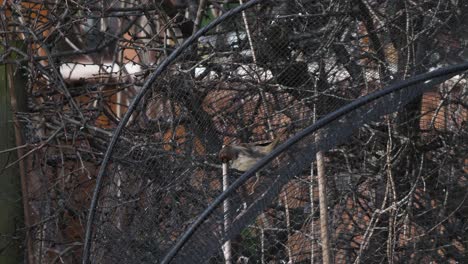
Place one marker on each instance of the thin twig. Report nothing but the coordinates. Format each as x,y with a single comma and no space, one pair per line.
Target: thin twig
200,14
15,148
249,36
56,132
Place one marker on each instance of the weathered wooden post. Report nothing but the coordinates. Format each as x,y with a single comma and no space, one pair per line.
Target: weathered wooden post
11,212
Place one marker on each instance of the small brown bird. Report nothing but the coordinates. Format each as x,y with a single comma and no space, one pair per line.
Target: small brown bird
242,157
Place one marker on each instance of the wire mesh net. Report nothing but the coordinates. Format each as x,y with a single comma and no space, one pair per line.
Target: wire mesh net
392,172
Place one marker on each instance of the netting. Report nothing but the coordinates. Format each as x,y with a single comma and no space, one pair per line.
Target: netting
383,181
294,169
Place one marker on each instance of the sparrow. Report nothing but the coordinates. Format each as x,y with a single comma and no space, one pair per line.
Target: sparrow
243,156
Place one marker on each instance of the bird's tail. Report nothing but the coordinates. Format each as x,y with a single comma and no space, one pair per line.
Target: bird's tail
268,148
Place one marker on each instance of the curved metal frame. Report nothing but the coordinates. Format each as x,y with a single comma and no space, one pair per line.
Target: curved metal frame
440,75
149,82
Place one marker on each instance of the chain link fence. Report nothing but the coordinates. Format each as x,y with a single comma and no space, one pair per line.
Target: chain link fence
131,108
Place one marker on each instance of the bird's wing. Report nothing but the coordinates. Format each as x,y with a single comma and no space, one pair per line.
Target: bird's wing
266,149
250,150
